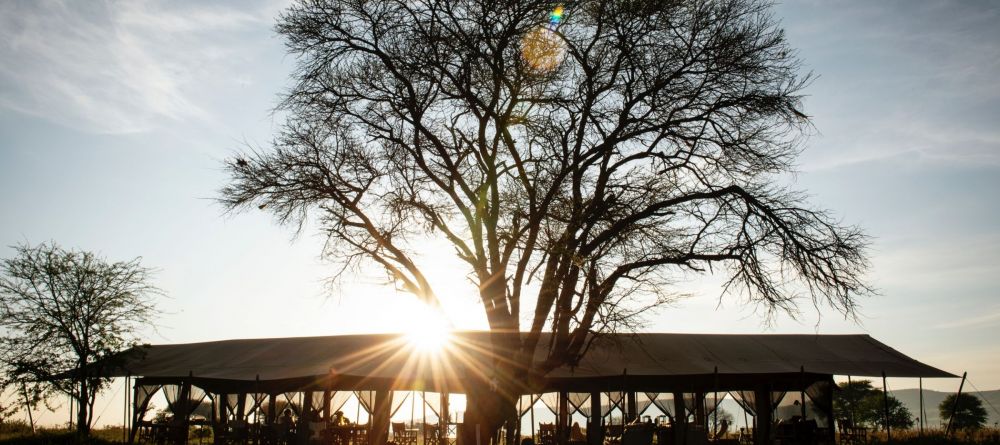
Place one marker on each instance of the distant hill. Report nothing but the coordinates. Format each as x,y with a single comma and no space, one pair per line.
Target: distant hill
911,398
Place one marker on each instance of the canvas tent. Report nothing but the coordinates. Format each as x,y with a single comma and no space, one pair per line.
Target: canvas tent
627,363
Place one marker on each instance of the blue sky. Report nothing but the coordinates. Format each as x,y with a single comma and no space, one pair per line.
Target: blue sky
115,116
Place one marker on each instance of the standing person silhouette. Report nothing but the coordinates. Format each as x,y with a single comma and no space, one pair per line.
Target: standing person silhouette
286,427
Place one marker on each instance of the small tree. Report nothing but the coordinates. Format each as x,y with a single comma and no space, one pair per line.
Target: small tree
900,416
849,404
864,404
68,312
969,413
720,416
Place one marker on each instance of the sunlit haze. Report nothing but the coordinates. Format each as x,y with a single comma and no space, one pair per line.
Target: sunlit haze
428,331
115,118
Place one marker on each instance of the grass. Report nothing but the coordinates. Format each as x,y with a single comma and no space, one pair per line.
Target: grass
19,432
984,436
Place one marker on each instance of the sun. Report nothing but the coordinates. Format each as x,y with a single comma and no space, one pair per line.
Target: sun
430,332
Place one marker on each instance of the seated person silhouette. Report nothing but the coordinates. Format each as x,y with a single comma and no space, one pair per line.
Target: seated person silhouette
576,433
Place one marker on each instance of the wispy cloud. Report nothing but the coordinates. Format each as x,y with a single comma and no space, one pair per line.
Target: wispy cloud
900,78
937,264
920,138
115,67
976,321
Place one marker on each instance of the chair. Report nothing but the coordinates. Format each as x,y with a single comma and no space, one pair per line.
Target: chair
665,435
316,432
547,433
359,435
340,434
746,436
851,434
432,434
695,434
145,431
612,434
639,434
403,436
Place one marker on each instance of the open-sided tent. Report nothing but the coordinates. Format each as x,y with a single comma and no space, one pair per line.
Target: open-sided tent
627,363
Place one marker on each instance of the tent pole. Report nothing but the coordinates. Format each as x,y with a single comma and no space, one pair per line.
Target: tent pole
327,398
954,407
595,431
520,416
680,417
765,412
922,415
746,419
802,392
715,394
27,406
628,397
134,418
850,386
885,403
532,417
446,416
125,412
562,418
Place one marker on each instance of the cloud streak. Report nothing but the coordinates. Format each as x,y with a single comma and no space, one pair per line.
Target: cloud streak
115,68
915,78
970,322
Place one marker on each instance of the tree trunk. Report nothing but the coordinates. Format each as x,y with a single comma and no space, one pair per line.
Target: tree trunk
82,423
487,411
492,401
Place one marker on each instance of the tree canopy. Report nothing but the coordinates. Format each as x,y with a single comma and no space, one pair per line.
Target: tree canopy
65,310
969,413
579,165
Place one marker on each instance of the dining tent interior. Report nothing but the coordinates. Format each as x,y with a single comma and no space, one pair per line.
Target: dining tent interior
673,383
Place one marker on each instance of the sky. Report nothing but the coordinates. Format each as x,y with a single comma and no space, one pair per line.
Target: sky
115,118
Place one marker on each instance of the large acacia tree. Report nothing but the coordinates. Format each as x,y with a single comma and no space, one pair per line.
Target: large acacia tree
65,315
594,155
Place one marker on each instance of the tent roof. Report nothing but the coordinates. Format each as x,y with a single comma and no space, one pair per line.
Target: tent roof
687,354
391,357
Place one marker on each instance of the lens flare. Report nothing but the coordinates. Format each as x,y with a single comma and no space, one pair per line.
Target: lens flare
542,49
555,17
